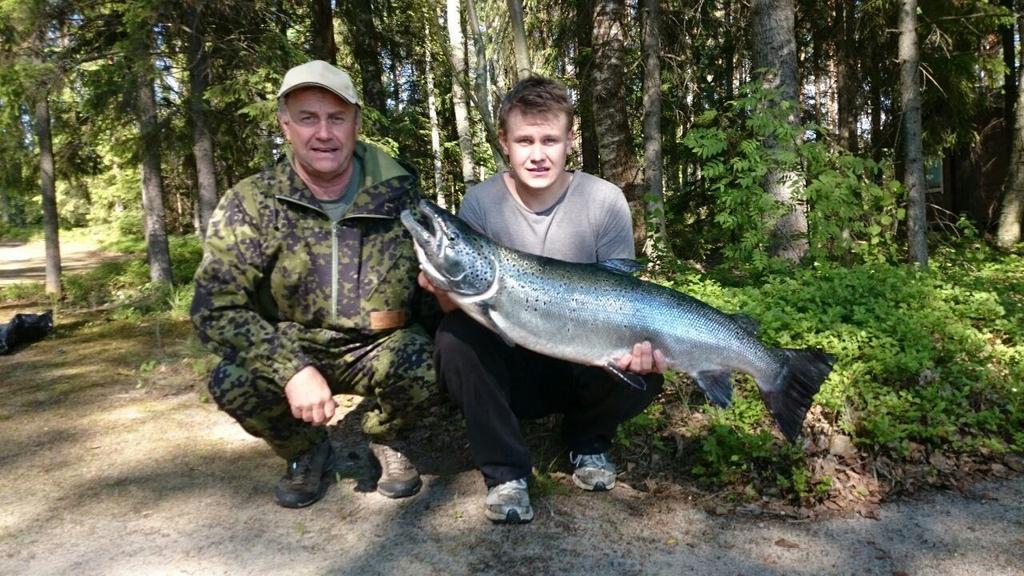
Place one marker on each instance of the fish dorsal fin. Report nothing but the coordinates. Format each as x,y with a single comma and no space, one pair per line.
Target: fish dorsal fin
629,378
717,384
747,323
624,266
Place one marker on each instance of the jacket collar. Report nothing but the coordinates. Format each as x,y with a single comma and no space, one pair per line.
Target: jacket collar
386,183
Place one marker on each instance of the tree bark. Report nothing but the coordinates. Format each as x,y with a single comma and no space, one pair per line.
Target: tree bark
515,16
913,153
655,202
456,40
365,40
774,58
585,79
1010,76
321,43
846,75
157,248
1012,209
202,141
49,192
481,83
618,162
435,130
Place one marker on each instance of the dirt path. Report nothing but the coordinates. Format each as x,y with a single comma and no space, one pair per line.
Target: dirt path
112,461
26,261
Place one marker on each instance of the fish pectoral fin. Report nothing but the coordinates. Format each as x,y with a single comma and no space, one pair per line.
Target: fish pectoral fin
491,321
717,384
635,380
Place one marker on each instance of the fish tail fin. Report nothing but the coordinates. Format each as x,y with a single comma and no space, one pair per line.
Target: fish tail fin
789,396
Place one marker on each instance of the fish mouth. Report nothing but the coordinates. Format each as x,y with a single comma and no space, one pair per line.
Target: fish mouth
429,244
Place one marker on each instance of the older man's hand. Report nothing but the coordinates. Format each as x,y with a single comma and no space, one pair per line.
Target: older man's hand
310,397
443,299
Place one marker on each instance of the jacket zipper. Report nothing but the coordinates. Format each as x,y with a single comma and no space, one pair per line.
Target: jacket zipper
334,248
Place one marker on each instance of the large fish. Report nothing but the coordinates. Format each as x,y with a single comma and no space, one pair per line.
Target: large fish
593,314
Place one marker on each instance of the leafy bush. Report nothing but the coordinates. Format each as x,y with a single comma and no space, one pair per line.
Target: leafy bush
931,358
853,206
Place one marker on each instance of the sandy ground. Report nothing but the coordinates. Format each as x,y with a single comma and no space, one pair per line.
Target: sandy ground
113,461
26,262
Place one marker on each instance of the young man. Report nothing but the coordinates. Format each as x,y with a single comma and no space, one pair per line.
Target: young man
539,207
307,289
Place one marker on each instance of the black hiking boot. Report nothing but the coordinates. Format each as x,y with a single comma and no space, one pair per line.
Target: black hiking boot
398,476
307,478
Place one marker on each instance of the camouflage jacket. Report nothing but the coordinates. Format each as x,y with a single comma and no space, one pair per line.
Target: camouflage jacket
278,279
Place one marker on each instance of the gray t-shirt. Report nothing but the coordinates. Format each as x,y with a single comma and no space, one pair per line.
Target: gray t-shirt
589,223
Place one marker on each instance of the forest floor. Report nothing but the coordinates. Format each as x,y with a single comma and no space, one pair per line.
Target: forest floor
113,460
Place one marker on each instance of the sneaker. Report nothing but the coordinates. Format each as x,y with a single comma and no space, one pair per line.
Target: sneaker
509,503
593,471
307,478
398,476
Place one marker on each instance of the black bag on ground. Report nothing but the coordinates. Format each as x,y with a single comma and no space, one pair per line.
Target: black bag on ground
25,329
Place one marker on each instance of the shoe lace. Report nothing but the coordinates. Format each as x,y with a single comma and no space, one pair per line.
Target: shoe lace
395,461
589,460
510,487
299,467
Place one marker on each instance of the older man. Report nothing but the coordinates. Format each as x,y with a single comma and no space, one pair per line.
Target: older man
307,288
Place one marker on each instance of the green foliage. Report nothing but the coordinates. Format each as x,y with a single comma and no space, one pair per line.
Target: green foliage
933,358
851,217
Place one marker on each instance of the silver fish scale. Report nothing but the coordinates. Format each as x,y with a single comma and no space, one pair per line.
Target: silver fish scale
592,316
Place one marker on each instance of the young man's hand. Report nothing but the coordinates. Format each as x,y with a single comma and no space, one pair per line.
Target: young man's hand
443,299
310,397
643,360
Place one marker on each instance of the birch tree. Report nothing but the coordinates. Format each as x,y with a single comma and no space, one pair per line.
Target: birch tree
519,46
458,57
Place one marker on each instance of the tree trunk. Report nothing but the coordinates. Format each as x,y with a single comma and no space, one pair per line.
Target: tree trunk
913,154
1010,76
618,163
49,192
515,16
321,43
366,48
152,180
435,130
847,84
774,58
1012,209
455,39
202,141
655,203
585,80
481,83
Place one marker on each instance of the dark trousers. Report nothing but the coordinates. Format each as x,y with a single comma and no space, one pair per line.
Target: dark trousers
495,385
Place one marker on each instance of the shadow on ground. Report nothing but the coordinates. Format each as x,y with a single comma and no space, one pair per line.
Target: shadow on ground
112,461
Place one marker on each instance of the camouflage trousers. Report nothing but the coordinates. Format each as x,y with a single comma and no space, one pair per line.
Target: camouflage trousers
395,372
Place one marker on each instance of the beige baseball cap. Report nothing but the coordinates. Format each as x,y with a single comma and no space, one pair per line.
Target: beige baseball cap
322,74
